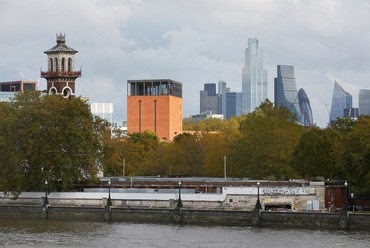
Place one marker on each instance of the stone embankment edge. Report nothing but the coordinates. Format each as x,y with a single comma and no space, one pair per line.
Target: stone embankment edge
348,220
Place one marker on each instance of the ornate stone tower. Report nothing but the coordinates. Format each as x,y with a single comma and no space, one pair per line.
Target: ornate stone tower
61,75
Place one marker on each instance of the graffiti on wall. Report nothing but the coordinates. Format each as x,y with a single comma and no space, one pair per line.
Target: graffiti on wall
288,191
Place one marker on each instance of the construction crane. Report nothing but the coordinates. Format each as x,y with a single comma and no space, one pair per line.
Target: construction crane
327,108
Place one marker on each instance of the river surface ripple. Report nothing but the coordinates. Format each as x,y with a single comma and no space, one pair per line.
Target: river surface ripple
70,233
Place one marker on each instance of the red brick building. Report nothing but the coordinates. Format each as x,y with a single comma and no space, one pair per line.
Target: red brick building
154,105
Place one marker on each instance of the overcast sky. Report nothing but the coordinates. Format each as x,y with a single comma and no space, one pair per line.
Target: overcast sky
193,42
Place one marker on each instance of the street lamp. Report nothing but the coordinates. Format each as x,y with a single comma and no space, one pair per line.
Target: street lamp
179,203
225,167
258,203
109,202
345,206
46,201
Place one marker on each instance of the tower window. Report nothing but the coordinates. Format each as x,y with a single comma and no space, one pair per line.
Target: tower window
56,64
51,65
69,64
63,61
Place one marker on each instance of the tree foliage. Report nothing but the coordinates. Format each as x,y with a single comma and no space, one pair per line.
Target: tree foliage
268,137
314,153
48,138
352,155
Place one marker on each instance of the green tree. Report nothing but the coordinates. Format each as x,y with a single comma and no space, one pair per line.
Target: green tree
352,156
268,137
112,160
343,125
217,146
48,138
313,154
186,154
188,124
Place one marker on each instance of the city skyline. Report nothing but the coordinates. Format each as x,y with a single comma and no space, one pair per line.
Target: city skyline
118,41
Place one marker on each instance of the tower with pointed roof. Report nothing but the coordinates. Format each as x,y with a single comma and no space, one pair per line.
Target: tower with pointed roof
61,75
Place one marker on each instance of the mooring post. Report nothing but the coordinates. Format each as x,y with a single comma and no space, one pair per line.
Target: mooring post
256,220
108,213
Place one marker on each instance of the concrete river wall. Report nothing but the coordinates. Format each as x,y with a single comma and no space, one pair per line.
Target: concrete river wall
343,220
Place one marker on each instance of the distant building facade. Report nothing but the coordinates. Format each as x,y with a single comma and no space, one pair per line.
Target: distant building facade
233,104
222,90
286,90
155,105
206,115
61,75
350,112
254,78
209,99
103,110
15,86
341,100
305,109
364,102
6,96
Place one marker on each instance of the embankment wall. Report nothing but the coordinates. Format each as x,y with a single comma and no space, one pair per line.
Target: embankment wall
355,221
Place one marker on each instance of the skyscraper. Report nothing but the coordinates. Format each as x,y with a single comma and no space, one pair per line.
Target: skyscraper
211,88
286,89
209,99
364,102
222,90
254,78
305,109
233,104
341,100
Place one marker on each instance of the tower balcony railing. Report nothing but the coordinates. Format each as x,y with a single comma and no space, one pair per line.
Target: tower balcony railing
47,74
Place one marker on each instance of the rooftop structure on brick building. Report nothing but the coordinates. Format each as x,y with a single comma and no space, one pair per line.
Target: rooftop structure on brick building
61,75
154,105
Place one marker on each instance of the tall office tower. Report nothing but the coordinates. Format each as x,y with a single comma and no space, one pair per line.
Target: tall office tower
341,100
364,102
254,78
305,109
286,89
222,90
155,105
209,99
233,104
211,88
61,75
103,110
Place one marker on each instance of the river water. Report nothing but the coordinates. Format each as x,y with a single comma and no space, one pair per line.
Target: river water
70,233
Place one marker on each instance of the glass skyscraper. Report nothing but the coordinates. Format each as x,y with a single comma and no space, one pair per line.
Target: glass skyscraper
233,104
364,102
341,100
305,109
286,89
254,78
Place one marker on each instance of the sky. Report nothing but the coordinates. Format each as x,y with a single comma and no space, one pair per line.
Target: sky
193,42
